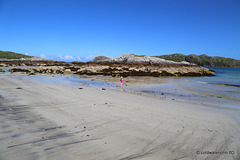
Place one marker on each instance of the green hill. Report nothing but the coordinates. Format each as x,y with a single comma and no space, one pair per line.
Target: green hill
203,60
12,55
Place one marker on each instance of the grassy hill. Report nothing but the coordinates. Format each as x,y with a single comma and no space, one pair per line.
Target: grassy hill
12,55
203,60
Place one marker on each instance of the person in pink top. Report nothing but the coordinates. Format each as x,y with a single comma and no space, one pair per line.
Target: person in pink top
122,86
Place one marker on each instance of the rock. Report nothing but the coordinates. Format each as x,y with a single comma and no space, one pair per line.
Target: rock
103,89
125,65
133,59
100,58
3,65
40,69
51,69
67,71
31,73
132,65
31,70
74,68
18,70
142,70
77,63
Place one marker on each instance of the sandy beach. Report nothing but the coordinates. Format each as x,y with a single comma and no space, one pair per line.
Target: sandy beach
41,120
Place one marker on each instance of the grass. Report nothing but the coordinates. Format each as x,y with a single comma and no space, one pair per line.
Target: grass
177,57
138,55
12,55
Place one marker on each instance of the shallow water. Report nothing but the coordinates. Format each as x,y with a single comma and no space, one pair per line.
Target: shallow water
224,75
187,89
175,88
221,90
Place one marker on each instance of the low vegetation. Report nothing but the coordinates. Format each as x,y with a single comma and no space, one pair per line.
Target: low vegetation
203,60
138,55
12,55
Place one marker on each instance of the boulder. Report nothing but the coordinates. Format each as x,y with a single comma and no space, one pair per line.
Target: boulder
3,65
40,69
19,70
67,71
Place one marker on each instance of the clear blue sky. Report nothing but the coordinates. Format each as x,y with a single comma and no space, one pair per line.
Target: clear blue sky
82,29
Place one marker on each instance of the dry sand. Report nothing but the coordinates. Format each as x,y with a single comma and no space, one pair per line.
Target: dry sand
52,121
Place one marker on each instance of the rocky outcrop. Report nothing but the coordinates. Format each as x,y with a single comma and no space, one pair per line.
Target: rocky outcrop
48,69
141,70
126,65
131,65
133,59
42,69
52,70
20,70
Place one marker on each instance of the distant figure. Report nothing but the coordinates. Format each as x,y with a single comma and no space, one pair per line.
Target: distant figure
122,86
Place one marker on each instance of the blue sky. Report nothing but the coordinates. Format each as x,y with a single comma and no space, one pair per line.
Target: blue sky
81,29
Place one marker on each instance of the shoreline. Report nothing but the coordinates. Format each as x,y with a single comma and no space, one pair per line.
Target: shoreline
58,120
178,89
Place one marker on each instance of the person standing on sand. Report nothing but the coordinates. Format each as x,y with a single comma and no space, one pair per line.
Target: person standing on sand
122,86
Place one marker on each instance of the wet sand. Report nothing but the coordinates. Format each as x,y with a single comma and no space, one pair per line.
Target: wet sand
54,121
129,81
